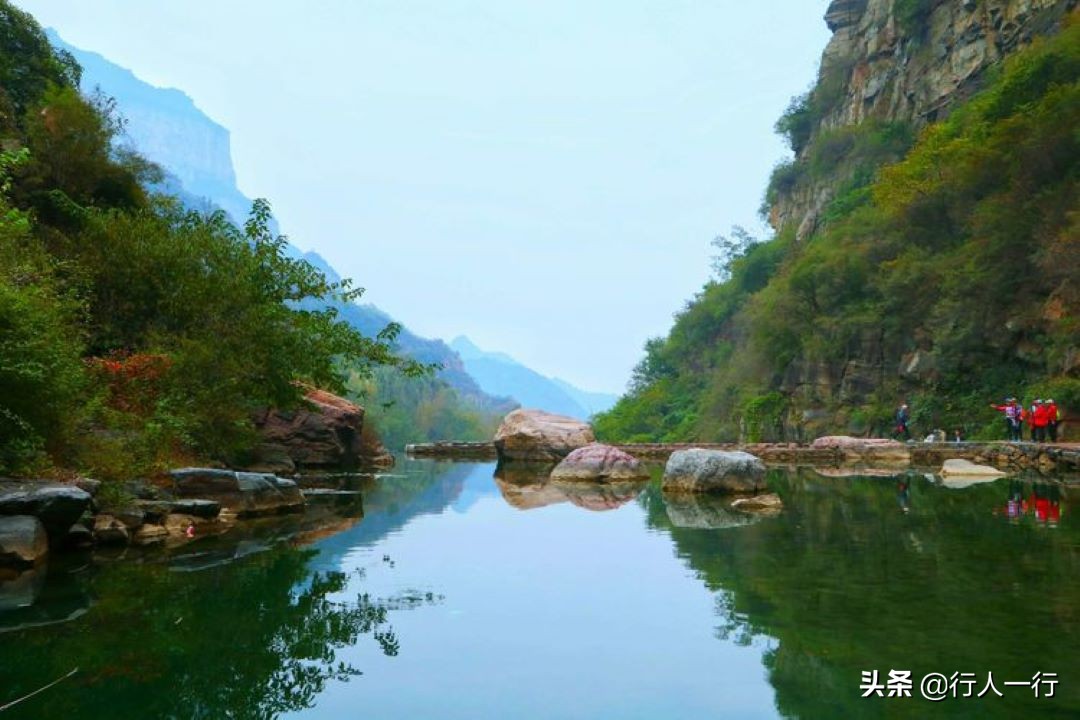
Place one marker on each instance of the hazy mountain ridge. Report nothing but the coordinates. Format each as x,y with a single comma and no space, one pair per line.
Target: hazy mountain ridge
500,374
167,127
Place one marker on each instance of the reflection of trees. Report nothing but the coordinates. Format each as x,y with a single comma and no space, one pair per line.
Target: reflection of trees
845,581
249,640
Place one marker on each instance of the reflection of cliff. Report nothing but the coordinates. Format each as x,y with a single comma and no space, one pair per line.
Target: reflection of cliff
846,581
393,501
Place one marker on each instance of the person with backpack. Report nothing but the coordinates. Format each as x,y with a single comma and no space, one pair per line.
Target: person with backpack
1012,410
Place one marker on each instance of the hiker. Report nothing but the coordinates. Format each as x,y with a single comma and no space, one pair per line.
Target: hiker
1012,411
1052,420
958,436
1040,418
903,417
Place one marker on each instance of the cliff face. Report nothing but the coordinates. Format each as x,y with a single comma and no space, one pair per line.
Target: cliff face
904,61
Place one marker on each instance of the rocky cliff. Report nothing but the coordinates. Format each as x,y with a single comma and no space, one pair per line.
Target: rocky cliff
898,61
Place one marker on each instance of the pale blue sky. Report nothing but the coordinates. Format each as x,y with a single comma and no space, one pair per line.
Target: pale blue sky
544,177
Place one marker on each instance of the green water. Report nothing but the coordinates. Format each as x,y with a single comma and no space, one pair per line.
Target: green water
438,592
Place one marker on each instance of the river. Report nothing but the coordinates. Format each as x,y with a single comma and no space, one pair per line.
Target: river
437,592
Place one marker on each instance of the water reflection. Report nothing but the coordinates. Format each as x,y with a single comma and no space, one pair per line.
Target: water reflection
1041,502
702,511
843,583
527,486
260,625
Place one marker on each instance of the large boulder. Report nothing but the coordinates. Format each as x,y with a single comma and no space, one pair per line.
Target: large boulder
56,505
23,542
327,432
245,493
596,462
540,436
700,470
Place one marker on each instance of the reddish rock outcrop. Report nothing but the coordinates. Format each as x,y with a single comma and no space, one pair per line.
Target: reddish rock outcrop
327,433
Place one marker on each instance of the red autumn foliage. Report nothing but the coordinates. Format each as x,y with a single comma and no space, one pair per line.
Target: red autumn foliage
134,380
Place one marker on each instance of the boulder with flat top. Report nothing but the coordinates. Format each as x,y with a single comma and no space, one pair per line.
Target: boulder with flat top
245,493
536,435
56,505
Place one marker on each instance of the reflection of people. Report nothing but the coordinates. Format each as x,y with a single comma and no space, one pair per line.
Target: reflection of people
1015,505
190,532
903,494
1053,515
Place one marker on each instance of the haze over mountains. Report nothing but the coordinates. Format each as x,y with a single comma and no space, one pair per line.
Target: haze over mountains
500,374
166,126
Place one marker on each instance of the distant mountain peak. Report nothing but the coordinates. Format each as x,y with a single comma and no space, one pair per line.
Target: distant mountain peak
500,374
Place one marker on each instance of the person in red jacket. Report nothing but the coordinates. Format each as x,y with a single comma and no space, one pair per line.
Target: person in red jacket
1052,425
1040,419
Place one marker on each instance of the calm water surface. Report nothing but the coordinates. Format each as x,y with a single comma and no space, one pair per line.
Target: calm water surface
441,592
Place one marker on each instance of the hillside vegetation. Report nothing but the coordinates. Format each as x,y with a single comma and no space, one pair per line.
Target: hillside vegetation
134,332
947,275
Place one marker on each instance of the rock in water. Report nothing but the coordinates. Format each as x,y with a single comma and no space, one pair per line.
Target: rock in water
245,493
23,542
538,435
596,462
327,433
56,505
150,535
109,530
699,470
966,468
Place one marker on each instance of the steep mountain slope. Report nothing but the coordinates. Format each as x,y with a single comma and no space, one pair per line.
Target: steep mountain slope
499,374
166,126
926,240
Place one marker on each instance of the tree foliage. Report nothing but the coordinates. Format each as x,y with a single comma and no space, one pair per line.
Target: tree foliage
106,289
966,252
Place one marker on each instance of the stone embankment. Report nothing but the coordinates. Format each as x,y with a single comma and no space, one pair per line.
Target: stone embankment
1011,457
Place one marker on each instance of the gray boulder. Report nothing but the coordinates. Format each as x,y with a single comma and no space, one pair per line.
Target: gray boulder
56,505
697,470
23,542
244,493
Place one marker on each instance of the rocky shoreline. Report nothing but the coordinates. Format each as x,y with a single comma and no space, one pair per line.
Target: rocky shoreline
1011,457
